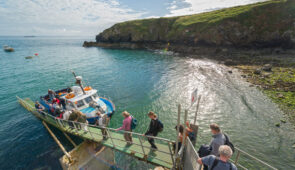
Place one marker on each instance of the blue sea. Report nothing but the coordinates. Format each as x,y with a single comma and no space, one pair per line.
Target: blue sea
137,81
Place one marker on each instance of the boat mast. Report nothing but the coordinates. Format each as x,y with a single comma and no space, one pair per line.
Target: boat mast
79,81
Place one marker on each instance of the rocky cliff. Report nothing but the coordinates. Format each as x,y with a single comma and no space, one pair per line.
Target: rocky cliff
260,25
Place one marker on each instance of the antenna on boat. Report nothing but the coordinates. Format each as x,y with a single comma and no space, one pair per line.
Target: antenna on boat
79,81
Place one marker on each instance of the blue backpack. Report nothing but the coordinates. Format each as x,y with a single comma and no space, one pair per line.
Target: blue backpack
133,123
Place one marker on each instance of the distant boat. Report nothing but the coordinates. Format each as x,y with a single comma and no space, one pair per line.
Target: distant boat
7,48
29,57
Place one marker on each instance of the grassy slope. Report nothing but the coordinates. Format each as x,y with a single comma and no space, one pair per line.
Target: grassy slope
264,17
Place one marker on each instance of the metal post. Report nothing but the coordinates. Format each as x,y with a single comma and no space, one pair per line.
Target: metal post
176,141
139,137
184,130
197,109
237,157
73,143
57,141
171,154
109,134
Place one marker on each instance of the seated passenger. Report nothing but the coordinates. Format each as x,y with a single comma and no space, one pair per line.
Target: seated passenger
51,94
39,107
62,102
55,100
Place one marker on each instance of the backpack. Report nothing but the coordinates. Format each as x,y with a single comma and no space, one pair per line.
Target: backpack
133,123
192,136
160,126
228,143
204,150
216,160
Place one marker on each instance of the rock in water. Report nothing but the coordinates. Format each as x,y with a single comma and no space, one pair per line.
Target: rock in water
280,95
267,67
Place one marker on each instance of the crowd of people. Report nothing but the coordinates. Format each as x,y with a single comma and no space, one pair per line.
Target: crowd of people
57,108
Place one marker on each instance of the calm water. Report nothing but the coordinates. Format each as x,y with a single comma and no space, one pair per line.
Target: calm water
137,81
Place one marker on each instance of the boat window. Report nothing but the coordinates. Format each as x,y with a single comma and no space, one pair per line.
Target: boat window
88,99
80,103
95,96
71,105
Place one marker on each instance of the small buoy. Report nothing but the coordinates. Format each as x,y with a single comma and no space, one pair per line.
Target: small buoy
36,54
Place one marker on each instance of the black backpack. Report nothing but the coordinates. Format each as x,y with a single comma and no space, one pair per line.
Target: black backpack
216,160
228,143
160,126
204,150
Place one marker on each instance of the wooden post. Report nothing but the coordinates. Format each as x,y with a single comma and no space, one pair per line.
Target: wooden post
57,141
197,109
176,141
67,136
184,130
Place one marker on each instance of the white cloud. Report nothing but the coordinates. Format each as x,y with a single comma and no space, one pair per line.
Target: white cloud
197,6
65,17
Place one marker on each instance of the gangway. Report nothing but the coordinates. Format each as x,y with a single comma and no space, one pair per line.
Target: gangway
186,158
139,149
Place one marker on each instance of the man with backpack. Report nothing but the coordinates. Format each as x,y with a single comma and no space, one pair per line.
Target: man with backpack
221,162
155,127
218,140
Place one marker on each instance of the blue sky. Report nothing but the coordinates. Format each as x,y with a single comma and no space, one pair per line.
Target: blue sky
89,17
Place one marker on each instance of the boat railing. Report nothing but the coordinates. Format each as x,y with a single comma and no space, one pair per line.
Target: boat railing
188,151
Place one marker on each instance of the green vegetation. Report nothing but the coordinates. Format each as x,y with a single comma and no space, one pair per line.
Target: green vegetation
279,85
238,26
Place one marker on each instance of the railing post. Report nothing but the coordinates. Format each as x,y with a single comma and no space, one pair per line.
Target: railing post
110,136
88,130
144,155
171,154
176,141
237,157
184,130
197,109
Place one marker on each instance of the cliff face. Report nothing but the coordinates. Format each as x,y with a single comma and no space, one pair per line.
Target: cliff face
266,24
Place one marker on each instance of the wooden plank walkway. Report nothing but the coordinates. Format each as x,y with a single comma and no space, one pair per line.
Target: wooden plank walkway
139,149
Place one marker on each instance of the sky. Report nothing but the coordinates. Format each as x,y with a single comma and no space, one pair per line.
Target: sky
89,17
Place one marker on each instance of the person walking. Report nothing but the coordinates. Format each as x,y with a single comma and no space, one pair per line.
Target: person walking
126,127
218,139
220,163
155,127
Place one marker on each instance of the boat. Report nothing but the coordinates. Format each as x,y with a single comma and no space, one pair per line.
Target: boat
7,48
28,57
78,97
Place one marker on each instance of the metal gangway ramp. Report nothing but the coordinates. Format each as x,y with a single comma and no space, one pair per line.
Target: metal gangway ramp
163,156
139,149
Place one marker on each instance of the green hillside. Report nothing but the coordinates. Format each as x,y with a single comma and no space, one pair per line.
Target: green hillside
263,24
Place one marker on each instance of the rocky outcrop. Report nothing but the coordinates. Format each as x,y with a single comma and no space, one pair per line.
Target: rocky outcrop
261,25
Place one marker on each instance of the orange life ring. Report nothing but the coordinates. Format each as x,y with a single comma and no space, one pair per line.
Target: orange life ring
87,88
70,95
